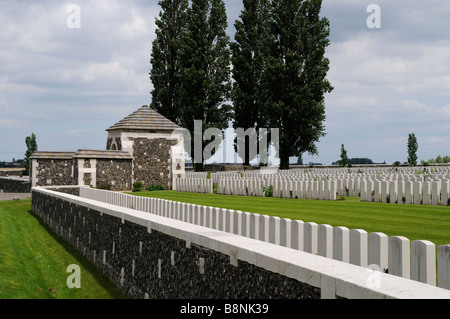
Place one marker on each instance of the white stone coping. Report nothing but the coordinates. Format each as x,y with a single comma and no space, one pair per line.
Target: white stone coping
331,276
16,178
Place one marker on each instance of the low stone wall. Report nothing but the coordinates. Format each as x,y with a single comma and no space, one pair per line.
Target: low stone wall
151,256
5,172
147,263
53,171
14,185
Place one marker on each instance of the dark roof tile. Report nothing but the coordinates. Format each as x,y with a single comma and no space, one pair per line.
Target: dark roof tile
145,118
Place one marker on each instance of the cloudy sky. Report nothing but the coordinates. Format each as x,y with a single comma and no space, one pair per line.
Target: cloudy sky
67,83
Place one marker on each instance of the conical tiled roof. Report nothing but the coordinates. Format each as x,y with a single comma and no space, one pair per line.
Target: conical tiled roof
145,118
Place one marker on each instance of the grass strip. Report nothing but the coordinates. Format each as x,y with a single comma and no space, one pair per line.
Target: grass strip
34,261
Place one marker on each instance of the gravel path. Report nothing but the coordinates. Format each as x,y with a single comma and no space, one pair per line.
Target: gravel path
11,196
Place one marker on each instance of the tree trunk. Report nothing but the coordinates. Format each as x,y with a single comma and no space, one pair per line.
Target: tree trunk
198,167
284,162
247,151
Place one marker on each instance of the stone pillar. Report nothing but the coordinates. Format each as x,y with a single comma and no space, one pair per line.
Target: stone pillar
339,187
351,184
363,191
444,192
399,260
274,230
384,191
264,228
370,188
297,235
215,218
285,232
321,190
221,216
401,198
332,191
245,223
435,193
426,195
310,237
325,241
236,220
443,261
202,215
417,193
341,241
378,250
358,247
229,220
310,189
408,192
423,261
254,226
299,190
377,191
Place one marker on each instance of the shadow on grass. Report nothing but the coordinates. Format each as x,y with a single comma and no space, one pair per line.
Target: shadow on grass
101,279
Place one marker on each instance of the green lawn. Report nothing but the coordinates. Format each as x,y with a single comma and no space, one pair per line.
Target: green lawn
33,261
412,221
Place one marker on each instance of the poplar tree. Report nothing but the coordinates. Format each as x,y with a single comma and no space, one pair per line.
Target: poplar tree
165,73
344,158
296,76
412,149
32,146
249,59
205,66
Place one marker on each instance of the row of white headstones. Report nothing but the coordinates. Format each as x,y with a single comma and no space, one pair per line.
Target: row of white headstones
403,186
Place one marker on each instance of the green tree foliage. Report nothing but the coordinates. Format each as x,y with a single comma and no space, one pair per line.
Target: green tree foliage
438,160
344,158
32,146
357,161
412,149
296,76
249,60
205,69
165,73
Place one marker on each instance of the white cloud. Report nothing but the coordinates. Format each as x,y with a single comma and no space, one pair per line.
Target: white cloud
61,82
11,123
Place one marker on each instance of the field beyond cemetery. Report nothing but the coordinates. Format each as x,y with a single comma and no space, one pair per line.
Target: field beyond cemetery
415,222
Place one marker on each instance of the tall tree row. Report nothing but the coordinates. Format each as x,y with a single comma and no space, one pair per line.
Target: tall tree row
296,76
165,59
206,72
278,66
191,71
249,59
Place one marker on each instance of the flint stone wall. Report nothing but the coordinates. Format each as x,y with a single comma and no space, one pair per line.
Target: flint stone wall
11,172
14,185
52,172
115,175
145,264
152,161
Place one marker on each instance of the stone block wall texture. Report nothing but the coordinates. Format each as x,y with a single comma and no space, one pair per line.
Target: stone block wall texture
146,264
10,185
75,190
115,175
52,172
11,172
152,161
